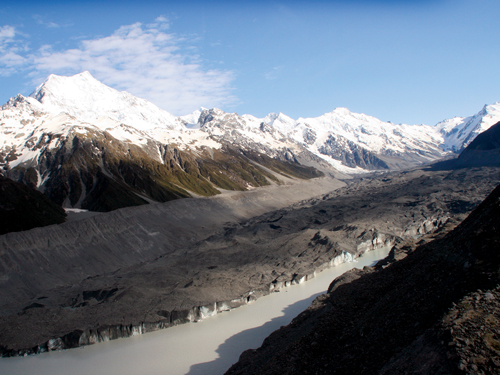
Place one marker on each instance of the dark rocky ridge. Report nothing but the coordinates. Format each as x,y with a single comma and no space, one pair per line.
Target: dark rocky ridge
483,150
160,279
23,208
434,312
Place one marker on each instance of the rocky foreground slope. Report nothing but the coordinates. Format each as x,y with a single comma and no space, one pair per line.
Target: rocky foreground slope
140,269
436,311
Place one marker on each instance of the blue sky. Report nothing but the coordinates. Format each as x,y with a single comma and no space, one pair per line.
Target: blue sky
401,61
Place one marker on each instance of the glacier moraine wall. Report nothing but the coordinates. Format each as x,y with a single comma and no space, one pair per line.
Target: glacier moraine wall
148,268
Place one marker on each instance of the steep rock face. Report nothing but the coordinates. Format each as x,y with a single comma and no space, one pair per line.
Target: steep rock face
483,150
351,154
421,314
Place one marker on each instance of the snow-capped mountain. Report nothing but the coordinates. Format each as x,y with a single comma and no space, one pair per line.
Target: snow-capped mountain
280,122
250,133
247,131
347,139
87,99
87,145
459,132
78,142
358,140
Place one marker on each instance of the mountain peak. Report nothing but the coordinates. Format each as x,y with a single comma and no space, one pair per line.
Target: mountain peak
54,84
85,74
341,111
280,121
83,96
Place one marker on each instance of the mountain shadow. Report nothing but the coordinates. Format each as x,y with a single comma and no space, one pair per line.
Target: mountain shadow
483,151
23,208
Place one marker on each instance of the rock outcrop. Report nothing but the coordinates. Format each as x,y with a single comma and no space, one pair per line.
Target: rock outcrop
484,150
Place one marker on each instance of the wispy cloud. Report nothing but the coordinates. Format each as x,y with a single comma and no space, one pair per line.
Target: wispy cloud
41,21
273,73
10,51
144,60
7,33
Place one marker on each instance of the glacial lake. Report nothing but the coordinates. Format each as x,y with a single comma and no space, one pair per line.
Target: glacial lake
208,347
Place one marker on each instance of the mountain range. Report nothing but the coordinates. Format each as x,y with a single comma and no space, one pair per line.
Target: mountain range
86,145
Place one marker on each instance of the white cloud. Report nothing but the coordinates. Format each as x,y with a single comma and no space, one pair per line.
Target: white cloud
160,22
10,49
141,59
7,33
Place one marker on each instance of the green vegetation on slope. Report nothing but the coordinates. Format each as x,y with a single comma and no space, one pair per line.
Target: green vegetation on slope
96,171
284,167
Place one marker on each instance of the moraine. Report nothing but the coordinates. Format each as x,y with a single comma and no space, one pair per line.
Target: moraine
208,347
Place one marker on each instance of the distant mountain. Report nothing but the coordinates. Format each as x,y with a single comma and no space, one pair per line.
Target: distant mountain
358,140
459,132
434,312
351,142
87,145
483,151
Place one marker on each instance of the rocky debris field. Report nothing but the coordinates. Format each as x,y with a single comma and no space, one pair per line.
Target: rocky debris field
153,271
472,329
430,308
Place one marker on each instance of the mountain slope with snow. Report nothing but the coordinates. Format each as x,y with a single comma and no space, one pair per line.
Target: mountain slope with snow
459,132
87,99
366,137
81,156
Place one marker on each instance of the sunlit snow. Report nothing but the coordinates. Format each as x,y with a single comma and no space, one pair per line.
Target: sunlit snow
81,103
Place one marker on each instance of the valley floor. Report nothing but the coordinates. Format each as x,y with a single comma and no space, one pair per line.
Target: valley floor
149,267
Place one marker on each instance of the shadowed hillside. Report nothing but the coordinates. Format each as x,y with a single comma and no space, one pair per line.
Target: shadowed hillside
22,208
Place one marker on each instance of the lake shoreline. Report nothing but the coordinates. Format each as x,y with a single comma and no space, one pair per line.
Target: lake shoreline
224,353
79,338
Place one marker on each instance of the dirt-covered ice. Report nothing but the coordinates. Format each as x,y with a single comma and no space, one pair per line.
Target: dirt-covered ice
148,267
